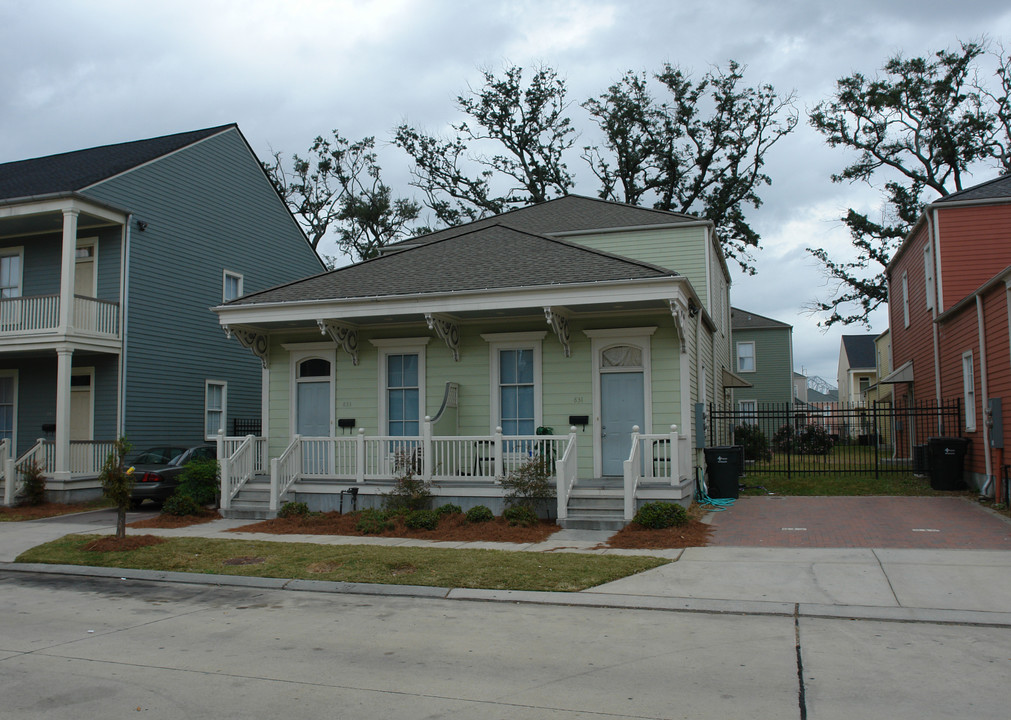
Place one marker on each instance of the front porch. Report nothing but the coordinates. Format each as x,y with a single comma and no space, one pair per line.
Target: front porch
465,470
80,482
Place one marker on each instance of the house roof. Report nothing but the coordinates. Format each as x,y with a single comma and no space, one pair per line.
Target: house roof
860,350
996,189
747,320
483,258
73,171
566,214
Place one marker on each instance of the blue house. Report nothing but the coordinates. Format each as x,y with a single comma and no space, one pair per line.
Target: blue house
110,260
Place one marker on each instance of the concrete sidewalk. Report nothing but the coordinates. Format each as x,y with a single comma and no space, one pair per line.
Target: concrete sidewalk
946,586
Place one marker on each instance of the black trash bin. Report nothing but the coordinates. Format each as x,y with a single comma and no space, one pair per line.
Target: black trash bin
946,457
724,465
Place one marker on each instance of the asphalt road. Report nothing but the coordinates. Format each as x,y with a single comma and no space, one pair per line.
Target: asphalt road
80,647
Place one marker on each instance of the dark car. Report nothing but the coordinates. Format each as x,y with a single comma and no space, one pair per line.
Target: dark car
156,470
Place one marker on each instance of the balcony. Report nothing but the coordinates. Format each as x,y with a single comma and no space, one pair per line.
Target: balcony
28,317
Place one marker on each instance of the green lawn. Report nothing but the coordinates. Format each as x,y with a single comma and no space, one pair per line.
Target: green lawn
856,483
492,569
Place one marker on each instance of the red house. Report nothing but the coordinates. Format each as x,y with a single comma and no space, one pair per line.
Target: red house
949,307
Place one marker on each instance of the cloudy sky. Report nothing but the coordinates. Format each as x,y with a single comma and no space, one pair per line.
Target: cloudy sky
80,74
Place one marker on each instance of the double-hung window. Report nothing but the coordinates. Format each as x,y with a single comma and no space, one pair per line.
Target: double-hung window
8,388
746,357
215,399
516,391
231,286
402,394
969,388
10,273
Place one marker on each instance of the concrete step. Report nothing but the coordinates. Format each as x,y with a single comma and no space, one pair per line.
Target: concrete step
603,522
603,503
248,513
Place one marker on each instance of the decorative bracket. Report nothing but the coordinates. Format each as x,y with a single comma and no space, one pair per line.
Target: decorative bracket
560,326
346,336
680,323
447,330
253,341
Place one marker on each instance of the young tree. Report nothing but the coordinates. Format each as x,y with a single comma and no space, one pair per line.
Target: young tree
918,131
700,151
117,483
528,127
337,187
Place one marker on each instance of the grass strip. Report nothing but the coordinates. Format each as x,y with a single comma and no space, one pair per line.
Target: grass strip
840,484
489,569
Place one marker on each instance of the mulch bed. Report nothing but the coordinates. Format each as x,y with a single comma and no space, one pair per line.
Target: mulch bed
176,521
636,537
45,510
452,528
131,542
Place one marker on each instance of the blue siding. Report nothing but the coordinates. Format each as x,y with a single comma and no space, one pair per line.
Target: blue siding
208,208
40,274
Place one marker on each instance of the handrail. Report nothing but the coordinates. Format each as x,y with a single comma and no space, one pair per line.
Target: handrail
632,474
12,483
665,451
566,472
284,472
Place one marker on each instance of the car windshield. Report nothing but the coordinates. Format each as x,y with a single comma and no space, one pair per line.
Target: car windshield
163,455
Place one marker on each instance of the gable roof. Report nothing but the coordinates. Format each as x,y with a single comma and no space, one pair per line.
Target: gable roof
747,320
77,170
997,189
566,214
492,257
860,350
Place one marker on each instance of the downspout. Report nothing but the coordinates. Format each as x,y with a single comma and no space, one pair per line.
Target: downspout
933,237
124,294
987,488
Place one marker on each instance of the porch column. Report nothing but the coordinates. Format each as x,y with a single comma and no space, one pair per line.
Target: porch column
67,266
64,363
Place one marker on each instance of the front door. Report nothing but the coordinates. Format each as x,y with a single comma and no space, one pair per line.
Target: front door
314,412
621,407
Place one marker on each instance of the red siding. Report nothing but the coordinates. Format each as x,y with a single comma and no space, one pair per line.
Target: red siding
975,245
916,342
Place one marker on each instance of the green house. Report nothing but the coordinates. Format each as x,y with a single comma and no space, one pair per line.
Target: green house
577,333
763,355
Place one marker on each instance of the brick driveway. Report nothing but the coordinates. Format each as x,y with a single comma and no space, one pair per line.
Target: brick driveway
941,523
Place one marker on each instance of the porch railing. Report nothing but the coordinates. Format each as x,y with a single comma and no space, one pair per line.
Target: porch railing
566,472
653,457
100,317
40,313
239,460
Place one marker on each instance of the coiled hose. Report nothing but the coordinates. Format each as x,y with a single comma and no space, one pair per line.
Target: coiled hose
702,497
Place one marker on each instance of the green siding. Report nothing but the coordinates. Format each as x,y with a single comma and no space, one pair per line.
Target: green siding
773,376
208,208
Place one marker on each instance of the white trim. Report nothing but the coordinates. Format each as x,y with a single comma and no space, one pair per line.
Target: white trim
14,419
309,346
754,358
18,250
400,346
515,343
969,391
905,299
223,384
88,372
515,336
321,351
600,340
91,242
225,276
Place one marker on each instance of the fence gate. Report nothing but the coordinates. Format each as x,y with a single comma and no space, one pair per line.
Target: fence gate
834,437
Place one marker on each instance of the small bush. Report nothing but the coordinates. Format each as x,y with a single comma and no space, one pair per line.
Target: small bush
520,515
422,520
530,483
808,440
658,515
479,514
449,509
200,480
181,505
33,489
756,445
409,491
373,522
293,509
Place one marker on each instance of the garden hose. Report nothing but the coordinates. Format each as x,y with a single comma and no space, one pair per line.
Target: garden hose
702,497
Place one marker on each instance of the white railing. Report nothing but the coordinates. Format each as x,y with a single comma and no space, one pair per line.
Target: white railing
652,457
284,471
14,470
229,444
87,457
7,471
100,317
40,313
566,471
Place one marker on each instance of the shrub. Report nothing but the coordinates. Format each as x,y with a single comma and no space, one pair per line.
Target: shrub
449,509
409,491
293,509
530,483
814,440
422,519
373,522
756,445
783,439
33,489
200,480
181,505
658,515
479,514
520,515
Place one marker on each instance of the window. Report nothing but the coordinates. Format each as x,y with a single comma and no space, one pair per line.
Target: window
865,384
8,390
928,275
402,395
746,357
232,286
905,300
516,391
215,399
969,387
10,273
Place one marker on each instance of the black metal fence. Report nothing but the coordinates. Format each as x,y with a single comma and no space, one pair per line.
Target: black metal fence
242,427
833,437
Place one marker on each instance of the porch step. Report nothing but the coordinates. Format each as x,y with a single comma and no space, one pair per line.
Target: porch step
252,502
597,504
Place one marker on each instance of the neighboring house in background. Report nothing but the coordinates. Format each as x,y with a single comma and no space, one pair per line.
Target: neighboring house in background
110,260
455,348
857,368
881,392
800,388
950,308
763,351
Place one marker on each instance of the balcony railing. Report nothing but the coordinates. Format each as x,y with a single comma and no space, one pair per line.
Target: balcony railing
40,314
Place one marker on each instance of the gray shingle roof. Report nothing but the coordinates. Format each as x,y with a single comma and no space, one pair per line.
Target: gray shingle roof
860,350
747,320
71,171
490,257
995,189
570,213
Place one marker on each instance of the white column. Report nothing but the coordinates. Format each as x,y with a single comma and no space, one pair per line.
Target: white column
67,267
64,363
